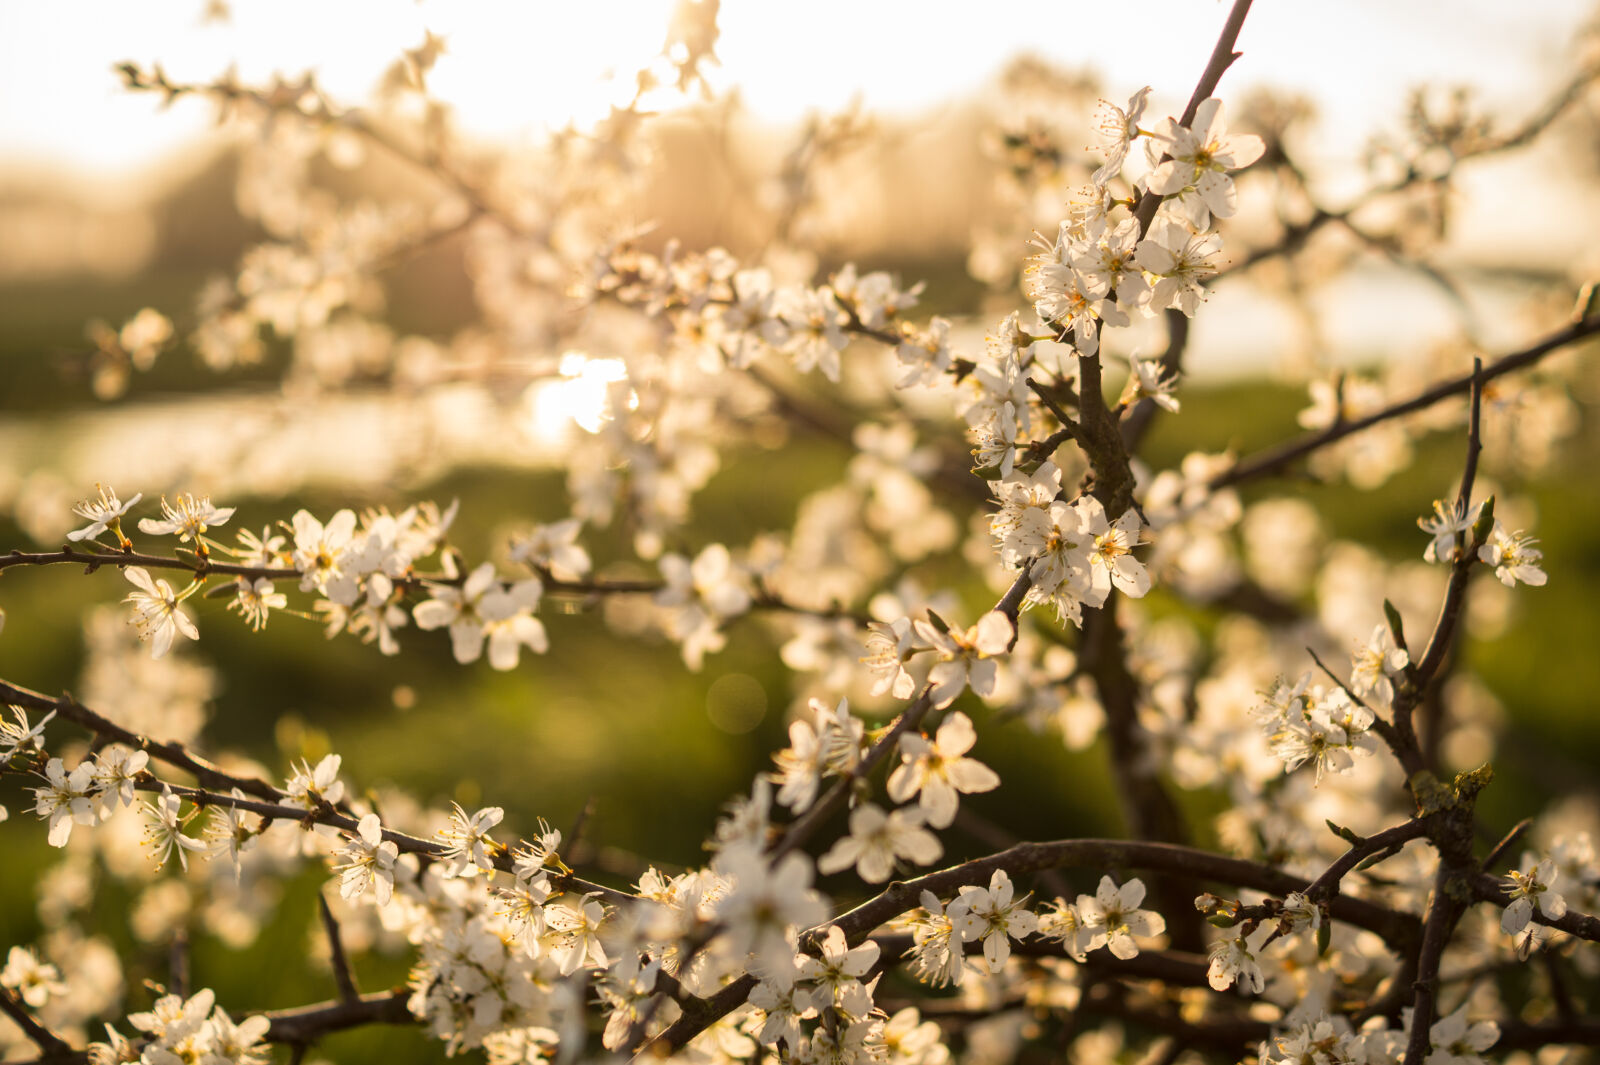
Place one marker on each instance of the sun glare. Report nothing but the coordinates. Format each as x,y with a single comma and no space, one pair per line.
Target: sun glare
516,69
581,396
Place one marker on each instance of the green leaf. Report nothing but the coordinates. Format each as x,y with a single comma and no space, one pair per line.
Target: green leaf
1396,626
1485,523
1373,859
1343,833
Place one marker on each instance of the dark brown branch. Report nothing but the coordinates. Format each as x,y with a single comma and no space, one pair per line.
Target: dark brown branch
1493,889
1474,437
302,1025
1439,923
343,976
204,567
1010,604
1149,809
173,754
306,1024
93,560
1507,841
327,815
804,826
1069,429
1147,806
1222,57
1191,862
1277,458
1418,677
1327,884
51,1046
1402,743
1046,446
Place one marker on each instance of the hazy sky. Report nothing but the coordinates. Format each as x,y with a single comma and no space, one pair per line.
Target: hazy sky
514,66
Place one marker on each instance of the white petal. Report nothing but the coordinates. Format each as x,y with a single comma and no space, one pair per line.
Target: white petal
994,633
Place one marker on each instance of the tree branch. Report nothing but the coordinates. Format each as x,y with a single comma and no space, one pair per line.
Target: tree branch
173,754
1488,888
51,1046
1275,459
343,976
1222,57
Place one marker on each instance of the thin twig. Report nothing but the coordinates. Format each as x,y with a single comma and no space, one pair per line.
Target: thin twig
1276,458
1069,428
178,963
1222,57
1440,920
1400,743
1420,675
343,976
93,560
1295,236
1508,841
1327,884
1493,889
327,815
579,822
173,754
52,1046
1474,437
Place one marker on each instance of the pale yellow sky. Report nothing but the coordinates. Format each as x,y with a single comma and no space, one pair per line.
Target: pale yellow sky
514,66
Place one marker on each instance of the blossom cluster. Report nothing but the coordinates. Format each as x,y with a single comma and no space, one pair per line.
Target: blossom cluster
1308,723
1456,1040
192,1029
361,570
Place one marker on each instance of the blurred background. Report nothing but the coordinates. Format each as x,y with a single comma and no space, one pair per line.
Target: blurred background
112,201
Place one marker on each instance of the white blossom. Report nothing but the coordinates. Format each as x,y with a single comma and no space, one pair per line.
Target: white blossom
188,518
368,861
966,657
468,846
994,917
878,841
156,613
1111,918
938,771
102,513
